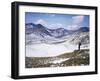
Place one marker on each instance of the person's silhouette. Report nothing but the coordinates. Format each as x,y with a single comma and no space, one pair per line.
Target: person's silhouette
79,46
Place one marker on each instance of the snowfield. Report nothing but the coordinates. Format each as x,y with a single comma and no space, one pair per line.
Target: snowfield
50,50
47,50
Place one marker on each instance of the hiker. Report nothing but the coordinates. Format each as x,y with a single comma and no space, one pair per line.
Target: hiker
79,44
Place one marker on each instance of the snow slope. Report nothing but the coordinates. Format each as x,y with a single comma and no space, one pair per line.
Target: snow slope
46,50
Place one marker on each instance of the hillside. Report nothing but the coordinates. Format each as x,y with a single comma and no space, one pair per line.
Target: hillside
75,58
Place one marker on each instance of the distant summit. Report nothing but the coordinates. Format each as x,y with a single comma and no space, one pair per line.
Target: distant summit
84,29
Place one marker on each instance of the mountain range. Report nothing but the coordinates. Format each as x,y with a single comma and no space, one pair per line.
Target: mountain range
37,33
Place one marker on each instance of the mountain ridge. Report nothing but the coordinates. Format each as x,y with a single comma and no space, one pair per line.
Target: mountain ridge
39,33
61,31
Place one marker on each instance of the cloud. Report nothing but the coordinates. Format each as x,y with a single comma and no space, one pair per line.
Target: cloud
76,22
41,21
78,19
48,25
72,27
56,25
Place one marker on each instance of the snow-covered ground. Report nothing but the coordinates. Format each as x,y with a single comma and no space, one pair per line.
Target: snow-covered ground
49,50
60,60
46,50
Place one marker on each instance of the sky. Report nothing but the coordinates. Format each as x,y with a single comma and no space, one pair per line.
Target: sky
54,21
